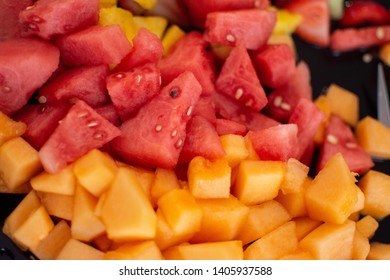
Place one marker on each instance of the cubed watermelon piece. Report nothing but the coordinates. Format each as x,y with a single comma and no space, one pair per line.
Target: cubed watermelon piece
81,130
189,54
201,140
25,65
110,113
205,107
238,79
47,18
282,100
225,126
251,27
339,137
87,83
9,17
94,45
156,135
275,64
131,90
147,48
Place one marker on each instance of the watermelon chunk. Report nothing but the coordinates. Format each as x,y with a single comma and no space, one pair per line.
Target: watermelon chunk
110,113
225,126
87,83
47,18
131,90
19,61
94,45
250,28
339,137
238,79
205,107
81,130
147,48
155,136
9,18
189,54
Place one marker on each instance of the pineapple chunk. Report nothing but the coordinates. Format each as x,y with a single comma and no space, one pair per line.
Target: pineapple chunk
173,34
146,4
116,15
154,24
286,22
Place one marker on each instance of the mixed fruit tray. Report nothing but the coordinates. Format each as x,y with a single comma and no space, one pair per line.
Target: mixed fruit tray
193,130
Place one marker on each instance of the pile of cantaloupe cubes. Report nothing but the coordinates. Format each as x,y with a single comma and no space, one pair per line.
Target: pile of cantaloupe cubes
237,207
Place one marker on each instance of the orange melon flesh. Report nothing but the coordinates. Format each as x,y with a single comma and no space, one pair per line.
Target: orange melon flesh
10,128
295,177
252,154
171,36
144,250
379,251
297,255
361,246
77,250
58,205
102,242
63,182
323,104
367,226
235,148
164,181
305,225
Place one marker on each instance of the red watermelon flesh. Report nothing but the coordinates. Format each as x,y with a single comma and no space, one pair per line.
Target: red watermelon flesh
9,17
129,91
94,45
225,126
81,130
147,48
47,18
205,107
110,113
87,83
155,136
238,79
25,65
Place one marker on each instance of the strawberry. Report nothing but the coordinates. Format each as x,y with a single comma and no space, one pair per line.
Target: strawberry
315,26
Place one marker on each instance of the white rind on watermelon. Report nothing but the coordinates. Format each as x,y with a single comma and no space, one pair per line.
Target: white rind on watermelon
20,60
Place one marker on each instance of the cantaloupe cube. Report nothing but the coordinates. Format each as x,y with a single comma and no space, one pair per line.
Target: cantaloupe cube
373,136
262,219
379,251
58,205
305,225
145,177
279,242
224,250
330,241
102,242
295,177
234,147
223,219
19,162
181,211
360,247
173,34
258,181
376,188
99,205
95,171
355,216
49,247
323,104
22,189
164,181
359,205
343,103
144,250
63,182
332,194
10,128
209,178
299,254
155,24
127,211
35,228
252,154
77,250
295,202
367,226
116,15
85,224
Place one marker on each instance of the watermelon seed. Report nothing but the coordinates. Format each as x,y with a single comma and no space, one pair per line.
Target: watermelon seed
174,133
230,38
249,103
6,89
33,26
174,92
30,7
332,139
189,111
367,57
99,135
285,106
82,114
138,78
278,101
158,127
43,109
256,3
36,19
380,33
160,80
351,145
119,75
42,99
93,124
179,143
239,93
60,121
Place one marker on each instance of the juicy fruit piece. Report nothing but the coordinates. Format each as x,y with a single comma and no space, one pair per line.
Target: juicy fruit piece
127,212
77,250
305,225
9,18
116,15
209,179
93,46
19,59
164,181
146,4
367,226
47,18
295,178
332,194
235,148
287,22
81,130
360,246
63,182
364,12
157,132
172,35
373,137
238,79
58,206
10,128
240,27
144,250
379,251
155,24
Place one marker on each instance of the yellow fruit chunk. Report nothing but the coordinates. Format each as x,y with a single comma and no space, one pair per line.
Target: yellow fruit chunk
305,225
58,205
172,35
298,255
19,162
77,250
9,128
323,104
258,181
379,251
374,137
295,177
127,211
145,250
95,171
279,242
367,226
146,4
330,241
235,148
286,22
181,211
360,246
220,51
164,181
116,15
343,103
262,219
209,178
36,227
49,247
85,224
224,250
359,205
145,178
332,194
222,220
154,24
376,188
63,182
